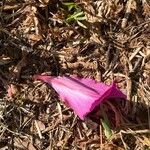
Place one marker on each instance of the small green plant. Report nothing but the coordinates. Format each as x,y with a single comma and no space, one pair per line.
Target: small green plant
75,14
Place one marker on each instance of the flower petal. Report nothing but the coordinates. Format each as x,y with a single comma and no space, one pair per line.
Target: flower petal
81,94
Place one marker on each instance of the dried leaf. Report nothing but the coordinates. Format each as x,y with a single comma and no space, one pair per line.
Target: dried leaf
23,144
41,125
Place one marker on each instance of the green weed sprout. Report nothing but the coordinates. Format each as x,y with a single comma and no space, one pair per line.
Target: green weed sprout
77,15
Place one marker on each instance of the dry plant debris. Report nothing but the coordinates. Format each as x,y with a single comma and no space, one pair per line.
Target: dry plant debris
103,39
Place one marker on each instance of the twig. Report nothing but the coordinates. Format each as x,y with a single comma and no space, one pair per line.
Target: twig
101,136
135,53
38,130
60,112
146,131
10,7
124,144
137,64
128,11
129,88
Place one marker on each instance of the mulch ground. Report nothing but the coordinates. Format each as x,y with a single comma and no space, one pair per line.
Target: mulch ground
105,40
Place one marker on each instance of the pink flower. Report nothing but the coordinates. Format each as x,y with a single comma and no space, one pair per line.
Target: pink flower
81,94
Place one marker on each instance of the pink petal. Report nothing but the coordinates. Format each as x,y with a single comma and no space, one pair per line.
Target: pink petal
81,94
10,91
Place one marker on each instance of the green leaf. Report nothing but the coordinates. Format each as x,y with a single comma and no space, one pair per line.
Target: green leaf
76,16
81,18
107,130
70,18
106,124
70,5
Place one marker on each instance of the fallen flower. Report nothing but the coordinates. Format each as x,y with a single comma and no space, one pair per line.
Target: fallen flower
81,94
